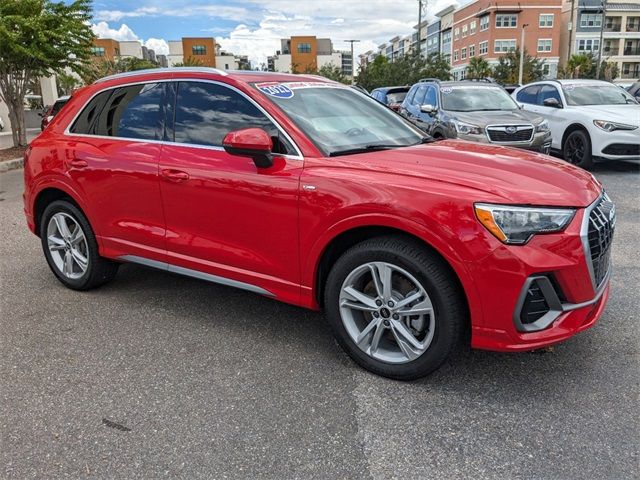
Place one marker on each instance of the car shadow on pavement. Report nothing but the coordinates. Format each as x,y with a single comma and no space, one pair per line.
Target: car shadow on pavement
193,303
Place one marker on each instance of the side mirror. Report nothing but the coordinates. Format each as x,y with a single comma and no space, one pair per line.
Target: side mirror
254,143
428,108
552,102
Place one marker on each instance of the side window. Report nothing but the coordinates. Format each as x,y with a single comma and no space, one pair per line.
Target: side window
410,95
418,99
85,120
431,97
528,95
548,91
133,112
206,112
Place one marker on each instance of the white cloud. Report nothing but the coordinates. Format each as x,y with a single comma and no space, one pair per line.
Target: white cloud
158,45
213,11
102,30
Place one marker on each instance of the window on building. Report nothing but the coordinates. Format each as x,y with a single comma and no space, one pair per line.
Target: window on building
198,50
546,69
484,23
501,46
588,45
97,51
206,112
472,27
472,51
446,37
463,74
544,45
591,20
455,55
546,20
483,48
306,48
463,53
465,30
456,34
506,21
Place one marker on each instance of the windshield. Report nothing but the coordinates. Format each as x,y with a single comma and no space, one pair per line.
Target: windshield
396,97
474,98
596,95
338,118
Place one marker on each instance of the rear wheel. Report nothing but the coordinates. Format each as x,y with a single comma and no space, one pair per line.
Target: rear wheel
71,249
577,149
394,307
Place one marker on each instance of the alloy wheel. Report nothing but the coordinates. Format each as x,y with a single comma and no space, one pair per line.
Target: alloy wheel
575,149
67,245
387,312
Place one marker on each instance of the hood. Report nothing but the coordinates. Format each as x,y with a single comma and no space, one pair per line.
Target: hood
501,117
499,174
629,114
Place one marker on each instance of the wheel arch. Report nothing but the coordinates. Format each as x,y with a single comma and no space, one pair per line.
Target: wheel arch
47,195
572,128
346,239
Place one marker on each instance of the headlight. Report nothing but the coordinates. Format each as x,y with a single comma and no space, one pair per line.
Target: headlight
467,128
611,126
516,225
543,127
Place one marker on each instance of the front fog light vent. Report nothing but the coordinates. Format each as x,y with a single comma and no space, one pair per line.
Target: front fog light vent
535,306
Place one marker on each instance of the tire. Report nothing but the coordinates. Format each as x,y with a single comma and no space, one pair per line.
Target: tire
577,149
64,251
416,272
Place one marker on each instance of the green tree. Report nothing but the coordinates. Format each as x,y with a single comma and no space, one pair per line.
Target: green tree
37,38
103,68
584,65
405,70
67,83
190,62
437,66
508,66
478,68
333,72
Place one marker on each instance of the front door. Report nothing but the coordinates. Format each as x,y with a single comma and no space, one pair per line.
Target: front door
225,216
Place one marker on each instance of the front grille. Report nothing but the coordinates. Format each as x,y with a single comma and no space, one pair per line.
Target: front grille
535,306
507,134
623,149
602,222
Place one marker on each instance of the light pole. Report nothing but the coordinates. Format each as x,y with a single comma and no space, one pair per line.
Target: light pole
521,67
602,21
353,62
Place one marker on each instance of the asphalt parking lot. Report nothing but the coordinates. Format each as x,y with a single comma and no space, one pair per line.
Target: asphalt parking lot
158,375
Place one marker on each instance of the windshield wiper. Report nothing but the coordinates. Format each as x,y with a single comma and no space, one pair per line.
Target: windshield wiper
366,148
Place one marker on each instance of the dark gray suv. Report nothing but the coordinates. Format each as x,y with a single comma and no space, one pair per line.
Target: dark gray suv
475,111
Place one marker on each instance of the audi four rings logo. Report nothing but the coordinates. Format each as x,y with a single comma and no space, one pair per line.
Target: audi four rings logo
511,130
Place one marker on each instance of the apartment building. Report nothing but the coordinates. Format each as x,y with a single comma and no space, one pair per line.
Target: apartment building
446,17
301,54
433,38
620,26
198,49
490,29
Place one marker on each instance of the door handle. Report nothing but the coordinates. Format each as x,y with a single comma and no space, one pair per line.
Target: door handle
78,163
174,175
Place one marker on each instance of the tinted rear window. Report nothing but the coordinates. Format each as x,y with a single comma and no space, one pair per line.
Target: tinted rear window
85,120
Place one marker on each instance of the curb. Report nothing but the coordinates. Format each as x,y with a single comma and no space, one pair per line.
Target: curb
11,164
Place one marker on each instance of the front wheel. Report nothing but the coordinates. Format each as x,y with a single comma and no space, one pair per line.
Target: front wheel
395,307
577,149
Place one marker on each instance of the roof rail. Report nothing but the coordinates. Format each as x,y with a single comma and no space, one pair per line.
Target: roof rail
429,79
482,79
161,70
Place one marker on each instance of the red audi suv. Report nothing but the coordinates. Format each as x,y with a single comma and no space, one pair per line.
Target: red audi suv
312,193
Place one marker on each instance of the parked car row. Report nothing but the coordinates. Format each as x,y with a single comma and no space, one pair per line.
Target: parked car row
584,121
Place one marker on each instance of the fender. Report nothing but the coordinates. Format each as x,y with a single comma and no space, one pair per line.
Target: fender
443,245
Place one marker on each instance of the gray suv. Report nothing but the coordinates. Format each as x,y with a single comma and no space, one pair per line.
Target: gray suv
475,111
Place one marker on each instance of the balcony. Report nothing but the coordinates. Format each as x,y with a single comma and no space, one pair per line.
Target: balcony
613,24
630,70
633,24
610,48
632,50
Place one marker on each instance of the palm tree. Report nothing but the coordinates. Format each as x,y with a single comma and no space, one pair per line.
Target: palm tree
478,68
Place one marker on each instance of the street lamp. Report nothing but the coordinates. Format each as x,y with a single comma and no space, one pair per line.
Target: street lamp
353,62
521,69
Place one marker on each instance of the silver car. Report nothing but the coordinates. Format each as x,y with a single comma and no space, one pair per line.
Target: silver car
476,111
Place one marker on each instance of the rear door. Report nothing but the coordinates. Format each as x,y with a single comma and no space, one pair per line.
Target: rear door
114,148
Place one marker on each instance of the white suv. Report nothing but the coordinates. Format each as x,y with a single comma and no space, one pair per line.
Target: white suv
589,119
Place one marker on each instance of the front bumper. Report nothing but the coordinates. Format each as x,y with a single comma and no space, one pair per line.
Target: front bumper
617,145
541,142
543,292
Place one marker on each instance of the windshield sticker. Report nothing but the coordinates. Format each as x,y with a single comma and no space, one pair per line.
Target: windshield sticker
446,90
278,90
285,90
568,87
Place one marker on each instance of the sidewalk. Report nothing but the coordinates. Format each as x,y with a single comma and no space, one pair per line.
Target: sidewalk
10,157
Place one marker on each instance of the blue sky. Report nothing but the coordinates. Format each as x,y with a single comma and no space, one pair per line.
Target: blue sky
254,27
